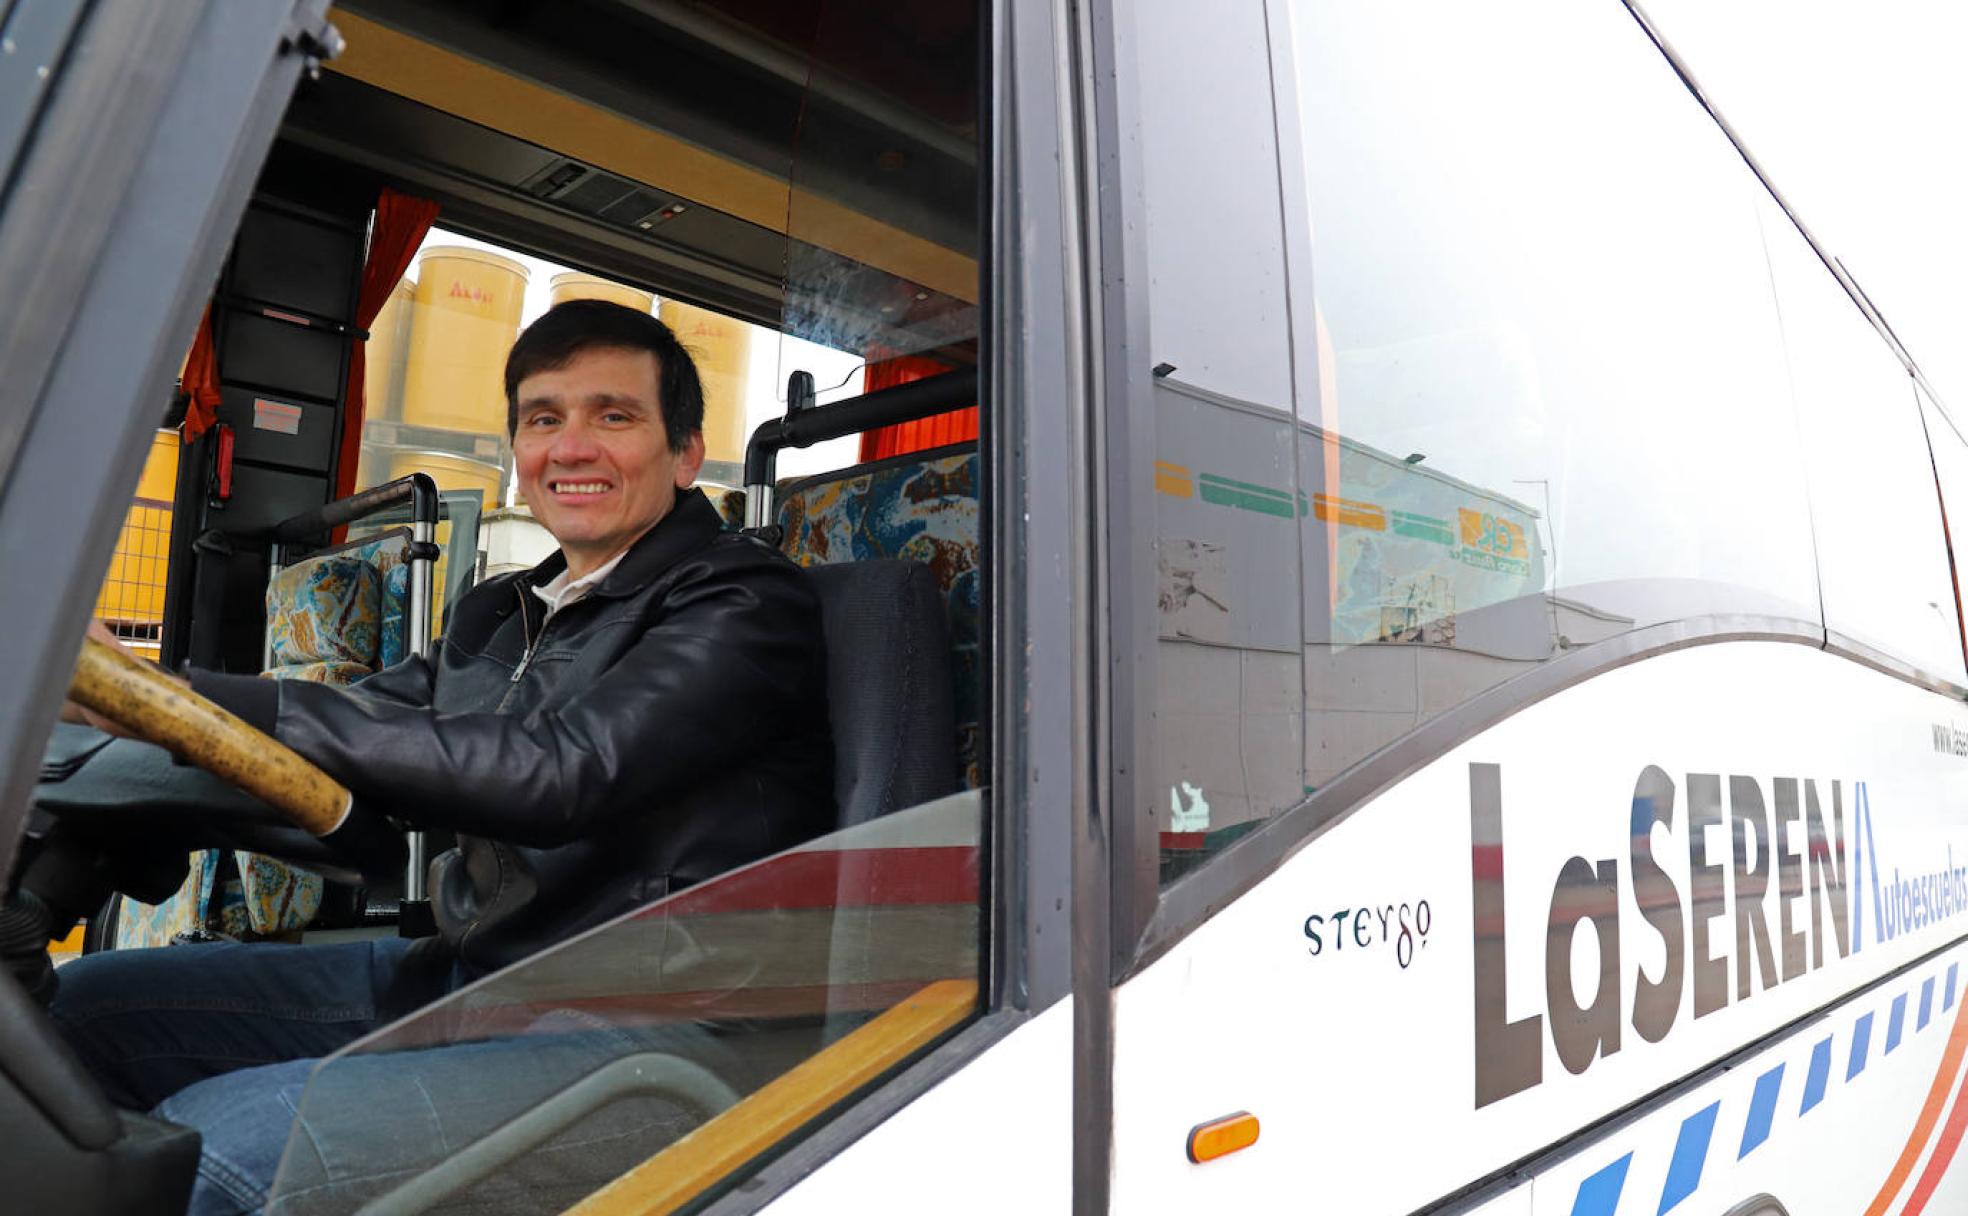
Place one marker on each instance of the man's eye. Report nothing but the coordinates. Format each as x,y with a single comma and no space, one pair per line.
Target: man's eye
616,416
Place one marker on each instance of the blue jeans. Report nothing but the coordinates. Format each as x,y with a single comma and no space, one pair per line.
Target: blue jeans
184,1031
224,1038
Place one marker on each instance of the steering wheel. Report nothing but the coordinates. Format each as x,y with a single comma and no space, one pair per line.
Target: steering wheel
158,709
134,695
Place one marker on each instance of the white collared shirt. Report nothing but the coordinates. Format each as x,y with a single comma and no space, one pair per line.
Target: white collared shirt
560,591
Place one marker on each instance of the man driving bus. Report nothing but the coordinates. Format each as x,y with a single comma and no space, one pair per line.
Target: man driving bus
643,710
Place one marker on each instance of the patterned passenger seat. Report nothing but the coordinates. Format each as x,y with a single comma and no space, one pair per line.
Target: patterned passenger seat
340,615
923,508
333,618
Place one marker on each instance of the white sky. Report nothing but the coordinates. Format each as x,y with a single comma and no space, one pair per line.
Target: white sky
1856,110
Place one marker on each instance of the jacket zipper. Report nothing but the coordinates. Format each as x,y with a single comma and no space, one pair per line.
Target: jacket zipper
532,648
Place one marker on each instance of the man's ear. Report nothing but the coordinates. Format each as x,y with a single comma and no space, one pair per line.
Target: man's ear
690,461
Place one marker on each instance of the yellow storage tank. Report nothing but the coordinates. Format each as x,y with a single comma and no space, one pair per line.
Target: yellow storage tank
468,305
389,348
450,473
575,285
722,347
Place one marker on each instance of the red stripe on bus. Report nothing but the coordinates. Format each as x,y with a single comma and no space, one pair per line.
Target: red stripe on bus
448,1026
846,878
1923,1127
1944,1150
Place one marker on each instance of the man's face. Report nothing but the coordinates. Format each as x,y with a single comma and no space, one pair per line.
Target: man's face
595,464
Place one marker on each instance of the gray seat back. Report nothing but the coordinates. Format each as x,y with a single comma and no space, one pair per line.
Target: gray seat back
888,686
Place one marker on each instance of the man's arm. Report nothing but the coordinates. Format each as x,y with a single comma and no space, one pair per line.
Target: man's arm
256,699
686,700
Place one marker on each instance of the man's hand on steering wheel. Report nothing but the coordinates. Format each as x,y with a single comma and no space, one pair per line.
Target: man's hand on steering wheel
82,715
127,696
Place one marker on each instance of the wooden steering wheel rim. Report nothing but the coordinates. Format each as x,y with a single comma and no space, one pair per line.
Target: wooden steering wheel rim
136,696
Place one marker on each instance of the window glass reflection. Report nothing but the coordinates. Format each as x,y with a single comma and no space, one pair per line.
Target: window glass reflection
573,1071
1874,505
1548,401
1951,464
1565,308
1229,724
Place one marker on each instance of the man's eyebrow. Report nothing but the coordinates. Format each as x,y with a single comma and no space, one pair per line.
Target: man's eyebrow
617,399
553,401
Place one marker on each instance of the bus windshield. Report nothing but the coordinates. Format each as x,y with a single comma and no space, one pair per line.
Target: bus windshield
739,1010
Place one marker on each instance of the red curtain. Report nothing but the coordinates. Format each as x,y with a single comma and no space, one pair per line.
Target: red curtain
400,226
938,430
201,382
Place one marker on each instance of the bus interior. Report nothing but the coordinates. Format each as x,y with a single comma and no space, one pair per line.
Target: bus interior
797,191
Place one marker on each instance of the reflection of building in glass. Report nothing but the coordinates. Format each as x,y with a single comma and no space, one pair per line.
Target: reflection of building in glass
1319,599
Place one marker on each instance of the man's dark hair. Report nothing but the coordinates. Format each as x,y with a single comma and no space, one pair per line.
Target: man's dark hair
565,330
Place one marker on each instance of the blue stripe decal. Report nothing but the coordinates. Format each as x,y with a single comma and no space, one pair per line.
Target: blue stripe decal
1762,1110
1814,1083
1684,1173
1599,1195
1862,814
1861,1042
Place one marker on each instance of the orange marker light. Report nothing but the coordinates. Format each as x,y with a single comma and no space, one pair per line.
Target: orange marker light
1221,1137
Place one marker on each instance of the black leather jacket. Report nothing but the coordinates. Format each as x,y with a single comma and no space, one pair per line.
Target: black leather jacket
670,725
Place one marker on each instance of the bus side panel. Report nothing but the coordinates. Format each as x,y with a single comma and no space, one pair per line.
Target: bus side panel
1849,1110
994,1138
1525,936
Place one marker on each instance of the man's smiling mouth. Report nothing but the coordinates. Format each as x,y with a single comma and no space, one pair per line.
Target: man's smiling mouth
578,487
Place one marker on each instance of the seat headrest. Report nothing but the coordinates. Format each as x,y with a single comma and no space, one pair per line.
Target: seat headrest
888,686
325,609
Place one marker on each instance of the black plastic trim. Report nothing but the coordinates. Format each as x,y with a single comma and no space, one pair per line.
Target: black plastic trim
38,36
80,157
1088,48
212,79
417,489
875,466
954,389
1033,344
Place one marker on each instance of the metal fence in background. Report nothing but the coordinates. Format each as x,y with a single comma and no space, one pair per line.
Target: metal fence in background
131,602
